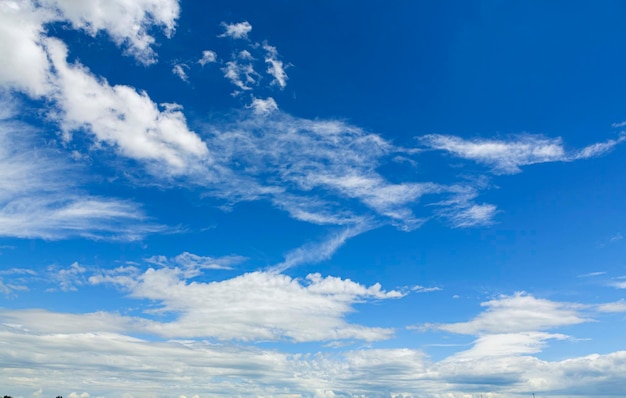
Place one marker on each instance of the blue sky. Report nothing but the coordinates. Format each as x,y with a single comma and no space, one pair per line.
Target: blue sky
312,199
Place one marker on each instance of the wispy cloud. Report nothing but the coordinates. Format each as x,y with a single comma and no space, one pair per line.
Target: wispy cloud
507,156
40,199
316,252
617,306
276,67
180,70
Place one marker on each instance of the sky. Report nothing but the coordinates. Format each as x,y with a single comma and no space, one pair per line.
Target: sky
312,199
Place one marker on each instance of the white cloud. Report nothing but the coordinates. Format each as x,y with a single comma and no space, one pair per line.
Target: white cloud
423,289
241,75
236,30
263,106
472,215
193,264
317,170
119,365
24,64
208,57
316,252
179,70
518,313
67,278
252,306
506,157
619,285
506,345
126,22
618,306
276,68
122,117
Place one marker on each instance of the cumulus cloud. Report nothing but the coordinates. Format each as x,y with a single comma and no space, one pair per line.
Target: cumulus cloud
24,64
122,117
252,306
236,30
126,23
506,157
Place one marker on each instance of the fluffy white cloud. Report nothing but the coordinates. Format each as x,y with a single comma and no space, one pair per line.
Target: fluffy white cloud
506,157
236,30
252,306
126,22
24,64
120,116
263,106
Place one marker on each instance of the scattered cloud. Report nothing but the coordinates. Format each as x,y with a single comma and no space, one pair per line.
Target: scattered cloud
236,30
208,57
67,279
180,71
276,67
241,75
